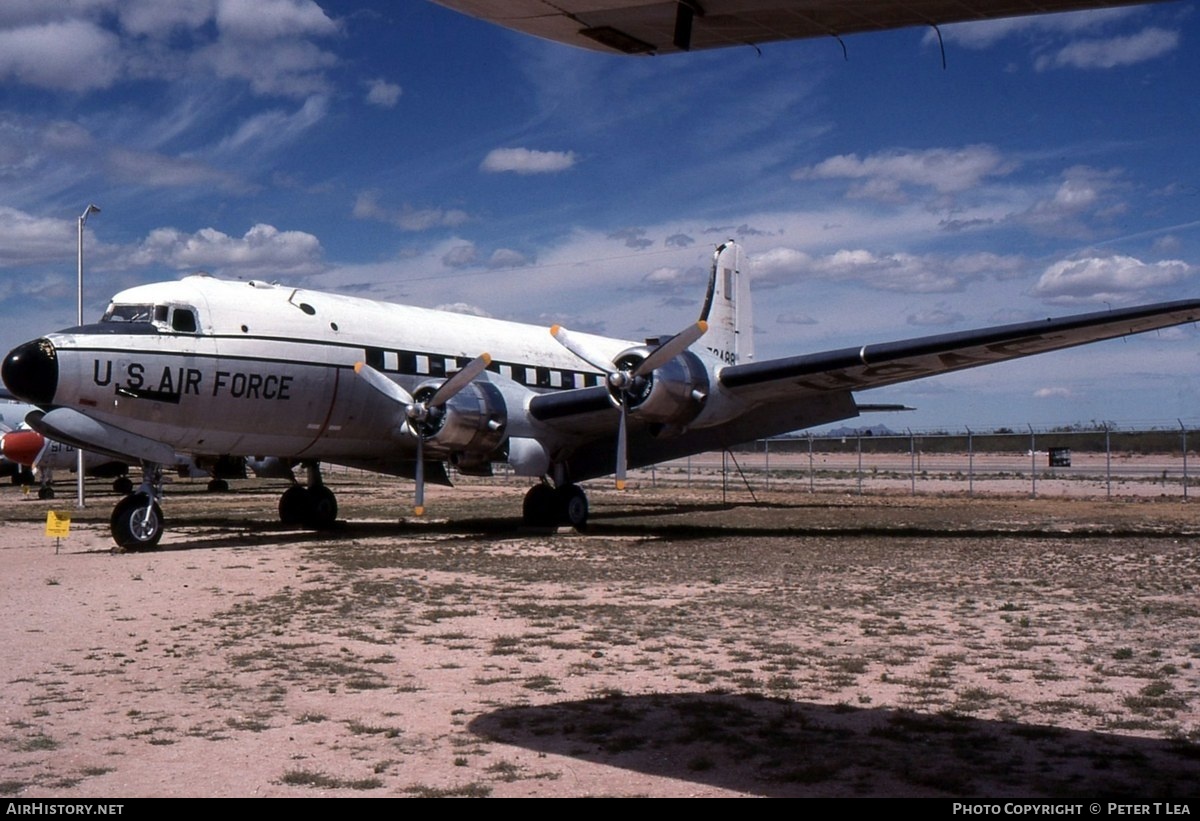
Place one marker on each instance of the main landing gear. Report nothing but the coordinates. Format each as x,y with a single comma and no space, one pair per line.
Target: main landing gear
137,521
547,506
311,505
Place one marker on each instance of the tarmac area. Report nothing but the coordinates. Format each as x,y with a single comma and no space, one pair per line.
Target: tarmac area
693,642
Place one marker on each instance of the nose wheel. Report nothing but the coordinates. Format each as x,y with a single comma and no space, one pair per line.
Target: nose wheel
137,520
137,523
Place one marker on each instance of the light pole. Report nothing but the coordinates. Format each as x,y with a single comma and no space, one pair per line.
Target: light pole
91,209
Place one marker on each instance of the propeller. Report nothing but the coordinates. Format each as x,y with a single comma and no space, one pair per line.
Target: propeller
624,378
417,412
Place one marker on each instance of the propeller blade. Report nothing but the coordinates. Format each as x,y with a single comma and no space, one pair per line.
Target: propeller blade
671,348
382,384
581,349
622,447
460,380
419,480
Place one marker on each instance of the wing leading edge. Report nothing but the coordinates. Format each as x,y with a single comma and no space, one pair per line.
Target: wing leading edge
874,366
665,26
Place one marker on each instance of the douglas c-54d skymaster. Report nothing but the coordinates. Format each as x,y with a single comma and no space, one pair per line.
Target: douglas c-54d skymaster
208,368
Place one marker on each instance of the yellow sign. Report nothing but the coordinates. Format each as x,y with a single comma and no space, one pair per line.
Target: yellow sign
58,524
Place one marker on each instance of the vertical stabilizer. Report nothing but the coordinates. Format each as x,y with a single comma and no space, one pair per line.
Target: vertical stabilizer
727,307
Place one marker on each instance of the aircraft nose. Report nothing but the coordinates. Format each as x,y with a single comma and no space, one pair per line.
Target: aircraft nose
31,371
22,446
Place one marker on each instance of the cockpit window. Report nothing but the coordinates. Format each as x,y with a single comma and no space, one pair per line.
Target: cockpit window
183,320
179,318
128,313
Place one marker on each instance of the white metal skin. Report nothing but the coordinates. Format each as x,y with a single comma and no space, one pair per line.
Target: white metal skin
205,367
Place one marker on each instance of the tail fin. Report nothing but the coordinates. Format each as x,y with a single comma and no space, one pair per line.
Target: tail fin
727,307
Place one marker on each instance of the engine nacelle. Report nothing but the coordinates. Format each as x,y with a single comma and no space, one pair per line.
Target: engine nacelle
472,421
673,394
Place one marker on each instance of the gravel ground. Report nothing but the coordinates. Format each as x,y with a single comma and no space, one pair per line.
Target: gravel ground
822,644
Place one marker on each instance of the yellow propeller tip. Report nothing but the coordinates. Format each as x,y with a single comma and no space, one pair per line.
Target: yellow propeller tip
620,484
554,329
358,366
418,511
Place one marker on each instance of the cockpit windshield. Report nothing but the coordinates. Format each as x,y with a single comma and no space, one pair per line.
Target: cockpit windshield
178,318
128,313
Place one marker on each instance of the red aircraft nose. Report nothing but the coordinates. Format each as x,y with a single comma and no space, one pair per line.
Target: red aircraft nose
22,446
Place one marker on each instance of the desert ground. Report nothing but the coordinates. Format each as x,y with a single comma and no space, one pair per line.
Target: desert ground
695,641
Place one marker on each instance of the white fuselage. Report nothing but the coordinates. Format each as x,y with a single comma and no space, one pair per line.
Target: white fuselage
269,369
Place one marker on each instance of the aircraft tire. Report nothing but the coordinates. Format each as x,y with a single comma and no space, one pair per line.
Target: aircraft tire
540,508
572,506
218,486
45,493
122,485
293,505
137,523
321,512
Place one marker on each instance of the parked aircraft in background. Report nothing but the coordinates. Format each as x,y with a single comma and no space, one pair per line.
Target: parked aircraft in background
42,457
665,26
207,367
28,456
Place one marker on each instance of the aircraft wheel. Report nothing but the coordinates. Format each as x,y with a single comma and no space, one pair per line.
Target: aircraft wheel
45,493
137,523
293,505
573,506
218,486
540,508
322,508
123,485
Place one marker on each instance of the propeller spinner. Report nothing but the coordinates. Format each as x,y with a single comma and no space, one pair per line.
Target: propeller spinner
419,412
626,377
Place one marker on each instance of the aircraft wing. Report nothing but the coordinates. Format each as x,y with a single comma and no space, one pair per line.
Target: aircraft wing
665,26
873,366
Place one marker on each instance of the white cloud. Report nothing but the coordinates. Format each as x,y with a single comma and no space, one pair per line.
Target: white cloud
461,256
527,161
408,218
507,258
1112,52
74,55
986,33
795,319
1112,279
272,19
937,317
83,46
1053,393
382,93
883,176
1084,193
263,251
26,239
462,308
160,171
274,128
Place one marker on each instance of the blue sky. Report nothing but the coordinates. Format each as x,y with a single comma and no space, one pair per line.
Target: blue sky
403,151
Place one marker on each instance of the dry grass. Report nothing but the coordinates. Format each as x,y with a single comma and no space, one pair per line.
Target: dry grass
826,645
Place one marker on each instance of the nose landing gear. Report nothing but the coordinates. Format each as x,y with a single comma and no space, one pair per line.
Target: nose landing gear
137,520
